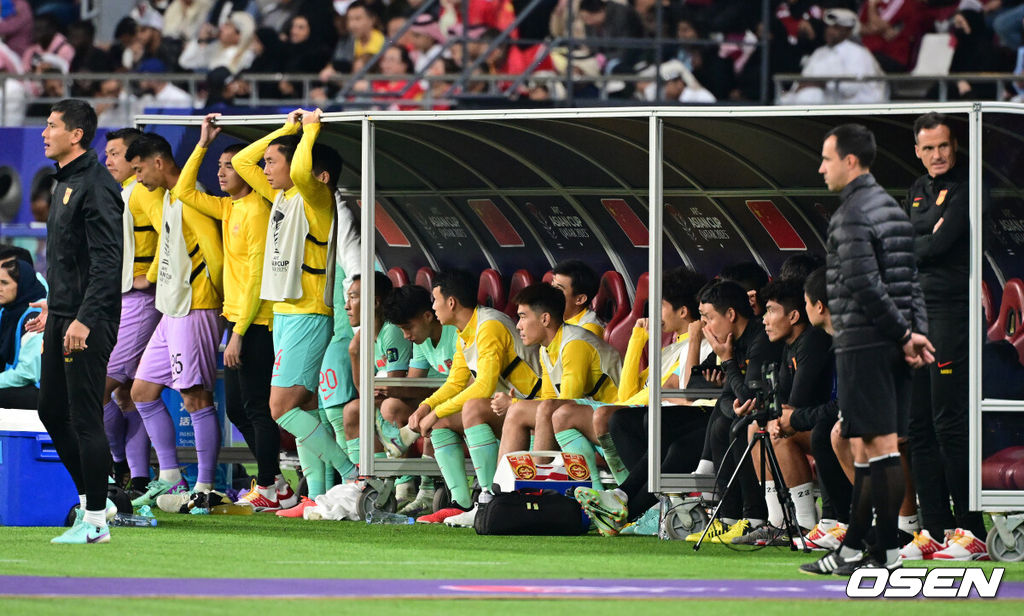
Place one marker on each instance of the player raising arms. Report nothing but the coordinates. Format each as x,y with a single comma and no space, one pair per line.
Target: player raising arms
249,355
295,278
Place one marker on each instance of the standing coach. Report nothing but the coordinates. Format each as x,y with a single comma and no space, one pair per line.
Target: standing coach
83,247
879,318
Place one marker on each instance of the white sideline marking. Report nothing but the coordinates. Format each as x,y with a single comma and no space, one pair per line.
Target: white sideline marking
13,560
377,562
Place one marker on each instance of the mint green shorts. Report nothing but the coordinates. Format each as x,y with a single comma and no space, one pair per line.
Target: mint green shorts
594,404
336,384
300,341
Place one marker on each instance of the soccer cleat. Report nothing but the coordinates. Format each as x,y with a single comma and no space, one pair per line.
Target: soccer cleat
963,546
82,533
766,534
405,493
258,500
829,563
717,528
296,511
648,524
871,562
824,538
818,532
440,515
420,505
603,503
287,498
735,531
157,487
922,547
174,503
79,518
396,441
462,520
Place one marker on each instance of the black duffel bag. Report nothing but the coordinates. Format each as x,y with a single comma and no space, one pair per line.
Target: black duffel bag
531,512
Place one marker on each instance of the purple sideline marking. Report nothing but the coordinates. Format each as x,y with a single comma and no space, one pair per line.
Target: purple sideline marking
334,588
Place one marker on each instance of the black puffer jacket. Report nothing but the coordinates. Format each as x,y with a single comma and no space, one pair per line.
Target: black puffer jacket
873,291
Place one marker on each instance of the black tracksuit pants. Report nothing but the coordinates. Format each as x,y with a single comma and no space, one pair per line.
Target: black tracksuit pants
746,497
939,431
247,398
71,405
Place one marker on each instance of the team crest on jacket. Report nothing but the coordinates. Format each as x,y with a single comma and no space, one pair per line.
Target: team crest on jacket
67,195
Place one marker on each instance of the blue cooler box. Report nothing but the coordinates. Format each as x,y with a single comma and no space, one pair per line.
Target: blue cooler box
35,488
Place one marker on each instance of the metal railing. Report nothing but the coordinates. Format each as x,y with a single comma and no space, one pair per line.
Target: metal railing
782,79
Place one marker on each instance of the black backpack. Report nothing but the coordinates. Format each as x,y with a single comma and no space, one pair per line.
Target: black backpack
531,512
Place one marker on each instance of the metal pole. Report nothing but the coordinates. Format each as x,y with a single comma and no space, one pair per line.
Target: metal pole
655,205
974,318
366,312
659,11
764,43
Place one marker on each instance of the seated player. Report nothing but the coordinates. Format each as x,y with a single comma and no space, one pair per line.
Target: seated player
577,367
805,379
249,355
489,353
433,348
391,352
295,278
580,284
625,423
182,352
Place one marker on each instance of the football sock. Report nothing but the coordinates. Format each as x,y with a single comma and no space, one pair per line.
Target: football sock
451,460
483,449
136,446
207,437
860,508
114,426
336,419
312,470
573,441
611,456
805,504
95,518
161,432
887,487
909,524
309,431
771,498
328,470
352,447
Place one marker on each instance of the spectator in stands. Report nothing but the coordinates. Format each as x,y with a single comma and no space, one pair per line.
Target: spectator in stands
47,39
20,351
302,54
496,14
13,95
438,88
892,30
222,10
545,87
802,31
358,35
55,68
268,57
230,48
426,39
222,87
16,25
560,14
159,93
679,85
151,44
603,19
839,56
184,18
1009,23
396,62
710,69
975,51
585,68
278,13
88,57
125,47
116,110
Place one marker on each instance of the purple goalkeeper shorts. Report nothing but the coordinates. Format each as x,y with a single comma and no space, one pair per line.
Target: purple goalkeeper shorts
139,318
183,351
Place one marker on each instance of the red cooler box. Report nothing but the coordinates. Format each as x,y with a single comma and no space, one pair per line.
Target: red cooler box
35,488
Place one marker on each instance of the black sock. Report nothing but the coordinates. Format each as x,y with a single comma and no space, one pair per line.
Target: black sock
887,487
860,508
121,471
139,483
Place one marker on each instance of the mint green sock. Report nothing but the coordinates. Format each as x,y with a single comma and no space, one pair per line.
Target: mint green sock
336,419
352,446
483,449
611,456
312,470
309,431
328,469
427,481
573,441
388,431
449,456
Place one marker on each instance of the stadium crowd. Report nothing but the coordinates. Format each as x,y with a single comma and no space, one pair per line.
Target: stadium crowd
707,50
275,264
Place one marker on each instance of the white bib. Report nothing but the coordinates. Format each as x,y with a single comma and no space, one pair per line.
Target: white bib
128,224
590,318
286,247
528,354
611,361
669,356
174,280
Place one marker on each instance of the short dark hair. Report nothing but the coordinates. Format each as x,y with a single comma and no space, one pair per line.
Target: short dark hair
799,266
583,278
234,148
592,6
77,114
405,304
787,293
816,288
680,287
128,135
542,298
459,284
855,139
747,274
326,158
931,120
382,286
726,294
287,145
149,145
8,251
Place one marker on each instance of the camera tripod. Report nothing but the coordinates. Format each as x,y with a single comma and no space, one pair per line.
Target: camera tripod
767,457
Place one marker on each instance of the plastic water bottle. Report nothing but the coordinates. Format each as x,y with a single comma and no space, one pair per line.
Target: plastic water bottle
383,517
130,519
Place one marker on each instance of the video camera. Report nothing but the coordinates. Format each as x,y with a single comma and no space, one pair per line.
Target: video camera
766,396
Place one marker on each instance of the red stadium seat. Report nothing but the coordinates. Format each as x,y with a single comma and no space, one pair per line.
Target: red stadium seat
611,302
618,336
520,280
1008,323
988,310
398,277
491,291
1004,470
548,277
425,277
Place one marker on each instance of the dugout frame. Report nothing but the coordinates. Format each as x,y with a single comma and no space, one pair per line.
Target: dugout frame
660,120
